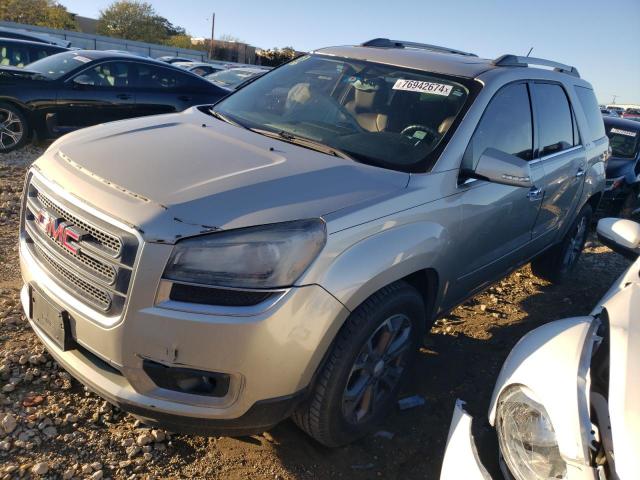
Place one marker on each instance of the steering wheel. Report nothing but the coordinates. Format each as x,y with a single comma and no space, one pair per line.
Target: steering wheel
410,131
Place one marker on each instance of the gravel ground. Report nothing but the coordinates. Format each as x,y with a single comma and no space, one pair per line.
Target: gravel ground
50,427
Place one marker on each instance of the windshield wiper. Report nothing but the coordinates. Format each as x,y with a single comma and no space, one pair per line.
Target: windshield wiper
224,118
303,142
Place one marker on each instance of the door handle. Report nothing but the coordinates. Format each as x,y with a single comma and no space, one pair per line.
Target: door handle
184,98
123,96
535,194
580,173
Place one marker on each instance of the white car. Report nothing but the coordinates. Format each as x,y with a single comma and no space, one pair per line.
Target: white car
567,401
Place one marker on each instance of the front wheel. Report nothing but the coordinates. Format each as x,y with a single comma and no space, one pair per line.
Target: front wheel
557,263
370,358
14,128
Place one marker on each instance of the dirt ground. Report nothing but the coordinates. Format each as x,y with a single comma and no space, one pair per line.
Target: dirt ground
51,427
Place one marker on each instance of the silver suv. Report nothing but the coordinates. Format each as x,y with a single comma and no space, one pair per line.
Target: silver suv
283,252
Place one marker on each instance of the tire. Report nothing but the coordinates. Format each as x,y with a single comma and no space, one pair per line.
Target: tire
395,317
14,128
631,204
557,263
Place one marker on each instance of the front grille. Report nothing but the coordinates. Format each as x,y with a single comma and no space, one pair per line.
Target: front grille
101,298
105,239
97,267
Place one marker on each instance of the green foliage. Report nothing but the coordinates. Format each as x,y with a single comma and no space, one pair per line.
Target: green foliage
44,13
136,20
276,56
179,41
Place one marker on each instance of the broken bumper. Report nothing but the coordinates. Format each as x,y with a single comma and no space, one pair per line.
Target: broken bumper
461,457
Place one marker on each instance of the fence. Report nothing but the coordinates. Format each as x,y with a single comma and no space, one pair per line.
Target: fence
100,42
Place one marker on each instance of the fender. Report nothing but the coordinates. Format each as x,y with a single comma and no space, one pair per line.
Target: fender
553,362
368,265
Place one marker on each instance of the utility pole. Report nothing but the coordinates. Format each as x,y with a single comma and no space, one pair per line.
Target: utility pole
613,102
213,24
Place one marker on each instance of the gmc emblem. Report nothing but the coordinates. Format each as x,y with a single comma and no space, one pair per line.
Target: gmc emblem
59,231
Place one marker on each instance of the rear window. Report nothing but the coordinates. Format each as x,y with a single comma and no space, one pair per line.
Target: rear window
592,111
623,142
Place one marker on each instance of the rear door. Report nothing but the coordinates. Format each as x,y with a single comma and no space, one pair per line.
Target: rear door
562,156
164,90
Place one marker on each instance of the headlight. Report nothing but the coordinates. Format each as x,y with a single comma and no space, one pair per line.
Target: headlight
526,436
268,256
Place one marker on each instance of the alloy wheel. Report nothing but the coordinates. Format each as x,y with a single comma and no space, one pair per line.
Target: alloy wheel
377,369
11,129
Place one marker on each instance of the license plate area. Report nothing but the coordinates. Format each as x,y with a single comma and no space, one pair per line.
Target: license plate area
51,319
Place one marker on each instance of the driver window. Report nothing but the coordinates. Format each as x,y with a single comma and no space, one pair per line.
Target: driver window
106,75
506,126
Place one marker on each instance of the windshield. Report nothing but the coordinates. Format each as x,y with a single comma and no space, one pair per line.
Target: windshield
55,66
379,114
231,78
624,143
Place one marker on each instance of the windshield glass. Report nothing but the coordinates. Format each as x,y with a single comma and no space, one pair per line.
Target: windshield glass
624,143
55,66
378,114
231,78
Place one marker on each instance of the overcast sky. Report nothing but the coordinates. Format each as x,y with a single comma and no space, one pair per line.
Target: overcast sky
601,38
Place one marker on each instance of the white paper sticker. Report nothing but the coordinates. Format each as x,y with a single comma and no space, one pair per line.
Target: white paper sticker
624,132
82,59
423,87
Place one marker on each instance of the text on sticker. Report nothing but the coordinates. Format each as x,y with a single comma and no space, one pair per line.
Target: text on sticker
422,87
624,132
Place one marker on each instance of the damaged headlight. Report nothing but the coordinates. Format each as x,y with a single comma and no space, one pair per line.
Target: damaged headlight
268,256
527,439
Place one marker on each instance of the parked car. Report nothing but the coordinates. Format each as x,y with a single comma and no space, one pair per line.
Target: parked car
79,88
170,59
33,37
631,114
19,53
609,113
232,78
284,251
200,68
622,195
567,401
616,108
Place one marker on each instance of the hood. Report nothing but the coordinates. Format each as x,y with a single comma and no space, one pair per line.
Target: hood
623,311
12,71
176,175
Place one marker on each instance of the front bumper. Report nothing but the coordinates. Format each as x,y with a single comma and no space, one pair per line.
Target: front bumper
461,457
270,356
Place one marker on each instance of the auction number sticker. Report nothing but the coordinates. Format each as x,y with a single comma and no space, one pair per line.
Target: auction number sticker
423,87
624,132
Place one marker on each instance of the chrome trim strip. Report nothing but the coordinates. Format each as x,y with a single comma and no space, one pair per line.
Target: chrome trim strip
556,154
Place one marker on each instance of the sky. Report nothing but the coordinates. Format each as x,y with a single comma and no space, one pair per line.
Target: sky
601,38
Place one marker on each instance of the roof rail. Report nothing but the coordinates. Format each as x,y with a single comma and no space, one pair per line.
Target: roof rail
516,61
386,43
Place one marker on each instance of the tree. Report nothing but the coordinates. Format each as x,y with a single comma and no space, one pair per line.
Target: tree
44,13
179,41
135,20
276,56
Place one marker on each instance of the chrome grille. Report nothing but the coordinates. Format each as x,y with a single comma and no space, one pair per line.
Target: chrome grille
108,241
95,295
98,269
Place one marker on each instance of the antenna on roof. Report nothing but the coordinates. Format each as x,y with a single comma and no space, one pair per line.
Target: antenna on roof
530,50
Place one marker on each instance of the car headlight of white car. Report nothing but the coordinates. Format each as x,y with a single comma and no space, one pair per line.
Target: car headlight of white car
526,436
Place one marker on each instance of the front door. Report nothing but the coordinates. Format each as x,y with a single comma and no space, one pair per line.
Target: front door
562,158
102,93
497,220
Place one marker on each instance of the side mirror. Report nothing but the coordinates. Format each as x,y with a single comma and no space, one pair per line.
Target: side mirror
82,81
621,236
499,167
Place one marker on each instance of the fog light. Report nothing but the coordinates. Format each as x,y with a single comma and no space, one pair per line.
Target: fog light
187,380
